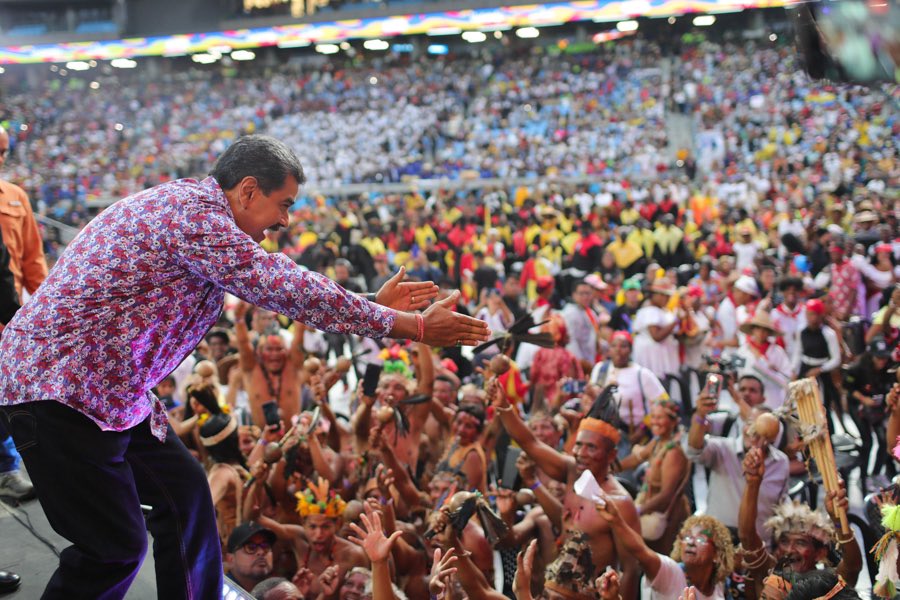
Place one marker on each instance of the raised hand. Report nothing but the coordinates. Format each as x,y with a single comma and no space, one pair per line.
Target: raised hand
527,469
439,583
837,501
330,580
406,295
689,593
525,567
505,498
241,310
303,579
754,465
372,539
444,327
385,479
608,584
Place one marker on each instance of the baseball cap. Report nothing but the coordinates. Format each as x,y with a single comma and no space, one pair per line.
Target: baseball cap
631,284
880,348
747,284
245,531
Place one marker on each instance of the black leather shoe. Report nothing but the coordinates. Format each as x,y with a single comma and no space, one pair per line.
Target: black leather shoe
9,582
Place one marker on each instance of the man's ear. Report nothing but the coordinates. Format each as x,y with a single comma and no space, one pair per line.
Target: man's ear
248,189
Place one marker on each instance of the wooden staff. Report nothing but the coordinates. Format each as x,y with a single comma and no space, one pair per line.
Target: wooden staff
811,413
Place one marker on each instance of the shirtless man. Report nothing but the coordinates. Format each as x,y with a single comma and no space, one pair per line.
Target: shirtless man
393,390
271,373
594,450
315,544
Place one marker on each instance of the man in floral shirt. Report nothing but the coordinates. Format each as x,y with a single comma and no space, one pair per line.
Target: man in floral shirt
128,300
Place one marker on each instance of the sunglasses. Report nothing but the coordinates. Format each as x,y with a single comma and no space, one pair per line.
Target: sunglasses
253,548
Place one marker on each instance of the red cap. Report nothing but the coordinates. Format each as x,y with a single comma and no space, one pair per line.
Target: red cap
620,335
815,305
695,291
884,248
544,282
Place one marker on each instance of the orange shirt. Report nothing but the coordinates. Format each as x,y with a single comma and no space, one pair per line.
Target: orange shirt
22,238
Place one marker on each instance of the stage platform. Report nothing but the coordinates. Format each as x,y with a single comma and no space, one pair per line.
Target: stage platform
23,551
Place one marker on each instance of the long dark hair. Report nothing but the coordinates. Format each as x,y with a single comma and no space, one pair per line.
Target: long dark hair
228,450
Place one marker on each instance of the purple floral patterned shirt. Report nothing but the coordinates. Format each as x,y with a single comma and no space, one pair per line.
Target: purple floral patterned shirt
138,288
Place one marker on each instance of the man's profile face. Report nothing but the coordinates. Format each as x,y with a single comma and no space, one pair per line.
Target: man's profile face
591,451
261,211
254,559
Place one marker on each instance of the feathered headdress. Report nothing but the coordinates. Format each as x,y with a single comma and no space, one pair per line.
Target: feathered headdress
886,553
319,499
796,517
396,360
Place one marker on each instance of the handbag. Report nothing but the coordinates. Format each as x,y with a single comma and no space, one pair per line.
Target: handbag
654,524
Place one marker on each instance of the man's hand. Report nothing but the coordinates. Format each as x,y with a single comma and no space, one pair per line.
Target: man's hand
525,567
814,372
754,465
303,580
506,500
443,327
330,580
705,405
372,539
241,310
608,585
837,501
439,583
607,509
527,469
406,295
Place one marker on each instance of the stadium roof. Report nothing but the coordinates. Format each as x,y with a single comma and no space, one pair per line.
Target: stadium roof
285,36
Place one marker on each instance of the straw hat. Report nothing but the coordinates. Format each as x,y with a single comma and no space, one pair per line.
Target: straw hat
866,216
662,286
760,319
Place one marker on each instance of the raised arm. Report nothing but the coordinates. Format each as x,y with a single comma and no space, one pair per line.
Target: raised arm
758,561
549,460
629,539
246,357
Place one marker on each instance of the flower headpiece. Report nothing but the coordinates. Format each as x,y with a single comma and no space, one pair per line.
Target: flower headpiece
396,360
319,499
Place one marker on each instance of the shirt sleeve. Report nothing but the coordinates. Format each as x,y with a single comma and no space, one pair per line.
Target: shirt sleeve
669,581
34,265
708,456
204,239
834,350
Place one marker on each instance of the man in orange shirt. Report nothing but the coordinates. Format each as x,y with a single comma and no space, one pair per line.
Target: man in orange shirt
20,231
29,268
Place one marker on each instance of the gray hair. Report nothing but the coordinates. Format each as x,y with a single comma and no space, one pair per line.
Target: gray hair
269,160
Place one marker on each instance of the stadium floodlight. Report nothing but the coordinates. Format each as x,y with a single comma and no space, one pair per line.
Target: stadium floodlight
243,55
627,25
327,48
123,63
77,65
704,20
376,45
528,32
444,31
204,59
2,70
474,37
294,44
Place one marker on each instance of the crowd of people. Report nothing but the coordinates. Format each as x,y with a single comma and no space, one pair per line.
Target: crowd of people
632,429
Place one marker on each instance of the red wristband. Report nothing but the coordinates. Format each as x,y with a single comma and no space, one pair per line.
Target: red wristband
420,328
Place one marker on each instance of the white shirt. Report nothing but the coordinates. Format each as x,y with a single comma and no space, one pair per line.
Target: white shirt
774,370
723,457
744,254
638,389
660,357
790,323
670,582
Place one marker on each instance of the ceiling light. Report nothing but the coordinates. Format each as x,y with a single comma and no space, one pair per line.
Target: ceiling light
474,37
376,45
123,63
327,48
704,20
243,55
528,32
77,65
204,59
627,25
